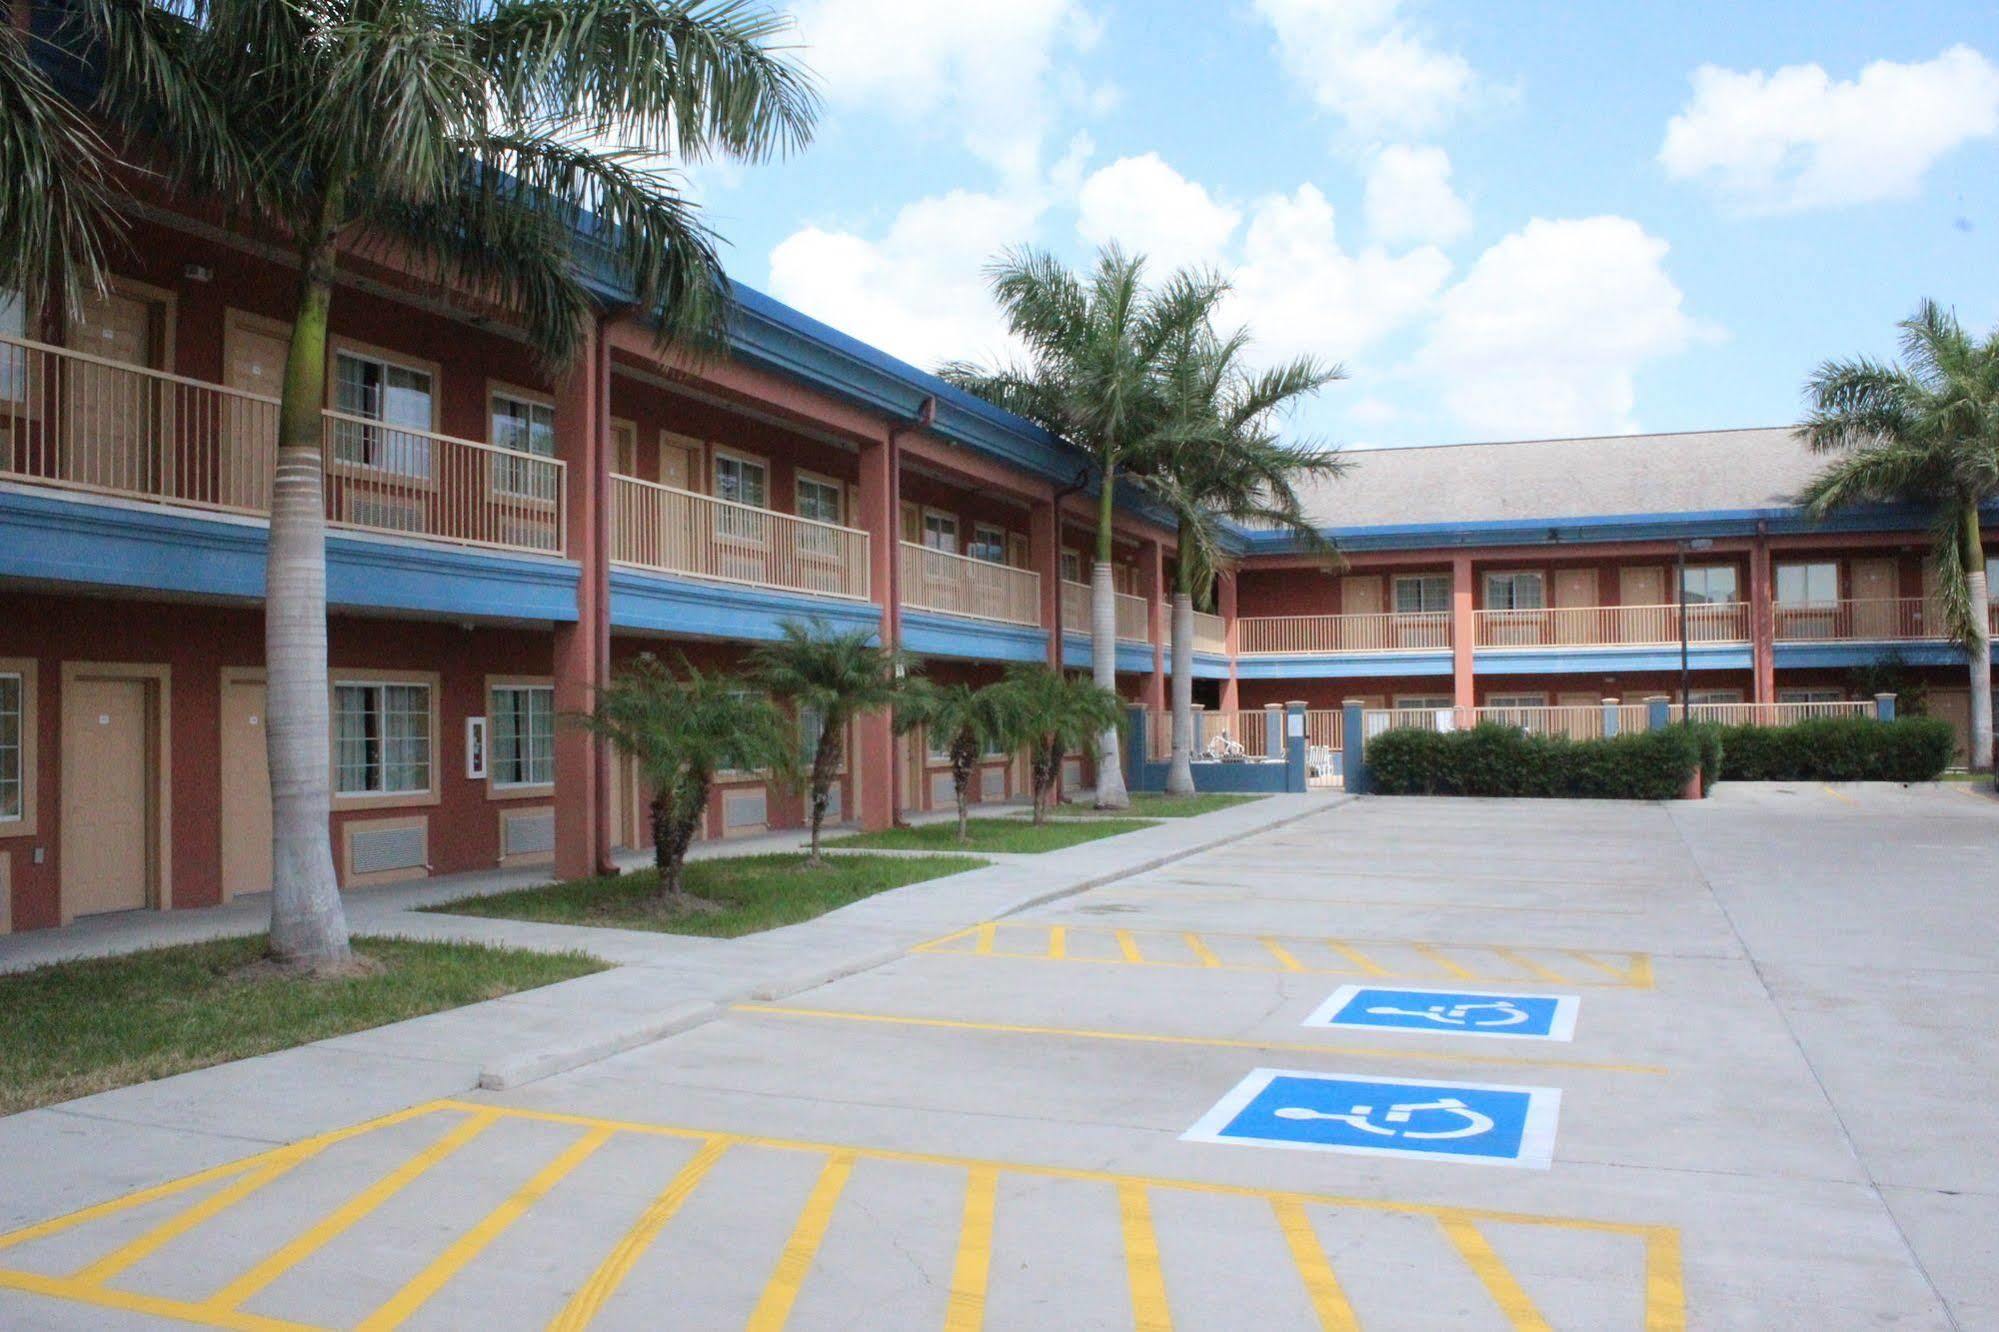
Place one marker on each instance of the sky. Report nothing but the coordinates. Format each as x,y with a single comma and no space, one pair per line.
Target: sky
1505,221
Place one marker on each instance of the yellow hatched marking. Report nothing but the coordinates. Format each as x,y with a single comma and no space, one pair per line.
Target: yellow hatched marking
1358,958
1058,942
1449,965
469,1245
953,937
1636,972
171,1229
1149,1310
1665,1287
987,932
1329,1302
1204,954
966,1311
617,1265
1494,1274
1531,967
110,1297
1128,946
781,1291
298,1250
1283,955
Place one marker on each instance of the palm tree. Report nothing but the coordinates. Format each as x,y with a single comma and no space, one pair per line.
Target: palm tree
679,733
835,677
972,722
56,209
1925,431
1092,375
463,138
1055,714
1220,461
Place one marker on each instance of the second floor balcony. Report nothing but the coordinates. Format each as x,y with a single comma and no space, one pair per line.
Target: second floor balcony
953,584
1385,631
669,530
1612,626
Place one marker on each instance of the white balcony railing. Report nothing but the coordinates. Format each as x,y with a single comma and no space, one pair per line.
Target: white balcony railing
1387,631
938,580
382,477
1774,714
1609,626
1883,619
1134,618
677,531
1075,608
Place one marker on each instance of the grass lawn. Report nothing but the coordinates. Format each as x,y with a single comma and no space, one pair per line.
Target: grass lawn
1155,805
1007,834
757,892
74,1028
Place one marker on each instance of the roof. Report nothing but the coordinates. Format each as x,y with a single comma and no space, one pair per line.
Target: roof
1704,471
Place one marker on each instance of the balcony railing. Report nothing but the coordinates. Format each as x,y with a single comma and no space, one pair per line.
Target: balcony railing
1774,714
1134,618
1609,626
1389,631
1211,633
1075,608
677,531
1893,618
938,580
382,477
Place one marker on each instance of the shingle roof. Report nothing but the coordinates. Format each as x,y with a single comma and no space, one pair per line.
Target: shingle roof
1697,471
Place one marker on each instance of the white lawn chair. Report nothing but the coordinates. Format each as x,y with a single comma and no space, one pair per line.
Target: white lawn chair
1225,749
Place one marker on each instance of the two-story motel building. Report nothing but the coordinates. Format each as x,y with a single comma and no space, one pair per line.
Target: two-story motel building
499,544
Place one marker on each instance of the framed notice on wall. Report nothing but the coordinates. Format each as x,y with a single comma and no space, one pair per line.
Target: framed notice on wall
475,747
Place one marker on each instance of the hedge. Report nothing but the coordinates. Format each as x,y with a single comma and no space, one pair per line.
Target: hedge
1839,749
1498,760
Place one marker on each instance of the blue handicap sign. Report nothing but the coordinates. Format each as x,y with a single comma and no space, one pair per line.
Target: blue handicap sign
1450,1121
1540,1017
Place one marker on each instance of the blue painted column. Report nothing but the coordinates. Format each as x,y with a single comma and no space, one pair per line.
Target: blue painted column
1610,717
1294,747
1884,707
1658,713
1273,730
1136,747
1353,745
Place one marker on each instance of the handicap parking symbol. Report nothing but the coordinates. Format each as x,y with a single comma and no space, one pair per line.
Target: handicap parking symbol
1534,1017
1450,1121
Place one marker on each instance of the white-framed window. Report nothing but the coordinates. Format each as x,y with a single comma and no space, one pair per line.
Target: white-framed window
732,764
1700,696
1710,584
1072,567
1811,694
1814,584
395,395
381,738
1516,700
521,735
12,777
988,544
745,481
1423,702
523,425
1420,593
821,500
937,743
1515,591
940,531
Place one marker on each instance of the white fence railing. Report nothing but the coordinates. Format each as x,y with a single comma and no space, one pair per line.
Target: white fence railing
1587,721
1075,608
1605,626
677,531
390,478
1134,618
1895,618
959,585
1386,631
1774,714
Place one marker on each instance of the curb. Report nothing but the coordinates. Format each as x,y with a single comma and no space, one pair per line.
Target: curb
534,1065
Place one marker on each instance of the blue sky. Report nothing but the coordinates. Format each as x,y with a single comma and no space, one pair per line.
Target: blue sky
1507,221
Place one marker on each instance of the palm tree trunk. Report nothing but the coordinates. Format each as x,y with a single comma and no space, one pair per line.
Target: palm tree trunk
963,758
670,850
1180,775
1044,762
1978,646
1103,651
825,766
308,923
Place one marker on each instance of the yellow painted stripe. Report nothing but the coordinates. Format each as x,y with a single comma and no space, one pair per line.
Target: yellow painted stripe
1420,1056
1329,1302
1840,796
1494,1274
1058,942
793,1265
1665,1288
418,1290
942,939
1149,1310
171,1229
1283,955
110,1297
1128,946
585,1304
987,932
1636,971
1202,953
1531,967
304,1246
1358,958
1444,961
966,1311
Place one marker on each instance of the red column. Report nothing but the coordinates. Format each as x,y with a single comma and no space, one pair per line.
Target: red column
1762,624
1044,540
1225,602
874,734
582,649
1463,693
1153,571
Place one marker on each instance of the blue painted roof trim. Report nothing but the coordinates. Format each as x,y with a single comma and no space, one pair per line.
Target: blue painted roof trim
1599,660
662,603
1343,666
927,634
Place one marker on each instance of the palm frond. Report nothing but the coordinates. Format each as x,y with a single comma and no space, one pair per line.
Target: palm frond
56,206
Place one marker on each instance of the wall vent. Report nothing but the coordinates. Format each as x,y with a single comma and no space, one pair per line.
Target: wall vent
386,848
992,784
744,809
527,832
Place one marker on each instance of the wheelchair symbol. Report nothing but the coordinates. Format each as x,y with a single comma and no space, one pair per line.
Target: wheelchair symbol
1458,1015
1393,1122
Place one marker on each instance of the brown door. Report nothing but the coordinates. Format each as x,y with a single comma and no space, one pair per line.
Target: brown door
112,417
676,464
1572,622
1575,587
1876,612
255,363
246,790
1954,706
1644,585
109,795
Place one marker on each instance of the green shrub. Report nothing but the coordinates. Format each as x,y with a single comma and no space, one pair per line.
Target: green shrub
1708,735
1839,749
1497,760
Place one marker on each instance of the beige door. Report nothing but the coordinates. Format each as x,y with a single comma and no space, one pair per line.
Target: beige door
624,448
678,464
246,789
108,794
1575,587
1954,706
1876,612
111,417
1360,594
1643,585
255,363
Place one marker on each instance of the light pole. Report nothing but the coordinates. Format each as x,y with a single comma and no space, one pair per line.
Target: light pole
1686,672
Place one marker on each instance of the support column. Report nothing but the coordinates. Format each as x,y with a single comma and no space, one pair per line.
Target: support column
1152,570
874,734
1463,640
582,648
1762,624
1044,541
1225,602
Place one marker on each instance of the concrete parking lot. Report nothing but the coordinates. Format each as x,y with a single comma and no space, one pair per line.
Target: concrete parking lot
1718,1065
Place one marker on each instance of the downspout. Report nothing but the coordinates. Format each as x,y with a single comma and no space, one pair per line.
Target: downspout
926,415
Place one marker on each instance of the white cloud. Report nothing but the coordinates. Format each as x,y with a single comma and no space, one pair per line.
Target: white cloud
982,72
1547,330
1361,61
1150,209
1797,139
1409,196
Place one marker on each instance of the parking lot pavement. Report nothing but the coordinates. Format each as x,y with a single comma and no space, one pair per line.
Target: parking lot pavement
1402,1064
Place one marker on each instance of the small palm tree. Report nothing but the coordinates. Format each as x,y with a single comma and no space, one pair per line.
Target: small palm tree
1220,460
1096,348
471,140
973,723
679,733
836,677
1055,714
1925,432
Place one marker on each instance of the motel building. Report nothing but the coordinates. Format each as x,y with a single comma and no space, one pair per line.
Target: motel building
499,544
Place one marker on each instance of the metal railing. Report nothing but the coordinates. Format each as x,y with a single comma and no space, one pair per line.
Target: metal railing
1383,631
382,477
1605,626
1775,714
939,580
677,531
1075,608
1134,618
1880,618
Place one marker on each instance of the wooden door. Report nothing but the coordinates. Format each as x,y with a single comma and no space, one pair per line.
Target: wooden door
1575,587
1360,594
108,794
1642,585
253,361
1954,706
1876,611
679,461
246,788
111,417
624,448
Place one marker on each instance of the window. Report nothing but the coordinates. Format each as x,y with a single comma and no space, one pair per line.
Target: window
1807,584
988,544
523,735
1418,593
381,738
1516,701
523,425
1514,591
1072,567
940,531
732,764
1423,702
1823,694
937,743
395,395
11,775
811,725
1710,584
1992,577
1701,696
821,501
746,481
